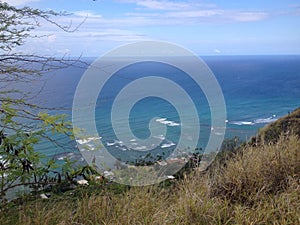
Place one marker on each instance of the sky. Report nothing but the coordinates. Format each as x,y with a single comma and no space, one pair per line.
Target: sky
205,27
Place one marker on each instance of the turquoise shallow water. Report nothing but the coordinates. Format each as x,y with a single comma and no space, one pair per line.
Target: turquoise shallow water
257,91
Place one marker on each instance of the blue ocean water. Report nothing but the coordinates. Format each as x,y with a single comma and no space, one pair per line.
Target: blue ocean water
257,91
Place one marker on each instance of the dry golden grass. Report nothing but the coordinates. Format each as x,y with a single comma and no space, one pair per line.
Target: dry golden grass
286,125
255,172
258,185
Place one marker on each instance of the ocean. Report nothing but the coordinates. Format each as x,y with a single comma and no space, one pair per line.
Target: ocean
257,90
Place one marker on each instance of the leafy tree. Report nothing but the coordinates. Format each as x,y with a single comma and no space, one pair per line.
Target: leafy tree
23,123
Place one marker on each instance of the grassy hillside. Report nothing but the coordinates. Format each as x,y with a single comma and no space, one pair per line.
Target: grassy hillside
289,124
258,184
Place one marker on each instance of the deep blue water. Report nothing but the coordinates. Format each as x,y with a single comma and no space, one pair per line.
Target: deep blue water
257,90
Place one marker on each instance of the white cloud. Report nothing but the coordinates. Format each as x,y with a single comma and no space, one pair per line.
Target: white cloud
19,2
51,38
193,17
297,6
97,28
118,28
198,13
110,35
248,16
163,5
65,51
190,12
295,9
88,14
79,41
168,5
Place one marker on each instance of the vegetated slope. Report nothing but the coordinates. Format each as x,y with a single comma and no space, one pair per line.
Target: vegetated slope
289,124
257,184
